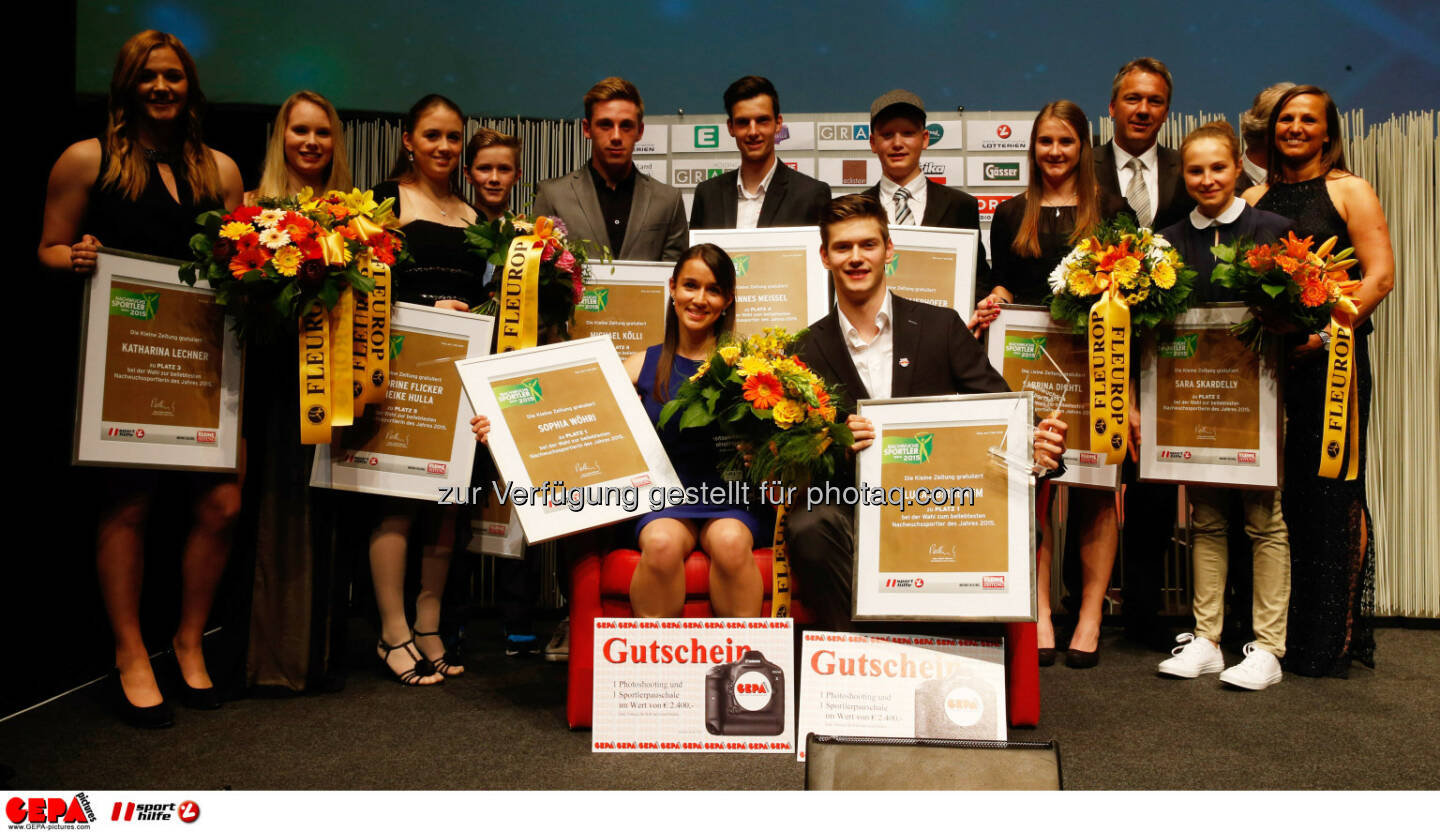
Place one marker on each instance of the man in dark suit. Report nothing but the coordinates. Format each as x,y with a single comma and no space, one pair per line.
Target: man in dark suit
878,345
608,203
763,192
898,137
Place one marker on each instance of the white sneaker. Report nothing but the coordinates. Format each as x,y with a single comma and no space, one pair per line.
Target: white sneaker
1258,671
1193,657
558,650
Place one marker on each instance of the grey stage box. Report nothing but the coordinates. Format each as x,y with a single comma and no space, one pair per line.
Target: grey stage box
899,764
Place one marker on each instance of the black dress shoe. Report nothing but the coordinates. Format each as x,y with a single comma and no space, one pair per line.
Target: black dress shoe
155,716
1047,656
199,699
1081,659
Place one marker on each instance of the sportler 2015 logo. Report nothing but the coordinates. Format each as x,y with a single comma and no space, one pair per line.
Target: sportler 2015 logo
907,450
594,300
142,306
515,395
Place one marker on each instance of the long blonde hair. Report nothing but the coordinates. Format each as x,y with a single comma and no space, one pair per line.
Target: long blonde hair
127,170
274,178
1087,197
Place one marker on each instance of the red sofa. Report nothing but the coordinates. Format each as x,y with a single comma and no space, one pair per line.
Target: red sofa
600,588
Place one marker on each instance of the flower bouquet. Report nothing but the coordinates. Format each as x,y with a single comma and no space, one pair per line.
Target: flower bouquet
1285,281
758,390
545,270
268,264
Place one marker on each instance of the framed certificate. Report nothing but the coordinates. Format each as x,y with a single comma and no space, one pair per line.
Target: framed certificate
944,527
571,439
1209,406
418,443
160,370
934,266
625,300
779,279
1034,352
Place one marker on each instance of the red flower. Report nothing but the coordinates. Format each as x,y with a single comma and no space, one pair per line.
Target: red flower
579,287
310,249
763,391
223,249
1261,258
299,227
382,247
312,272
551,246
248,260
245,213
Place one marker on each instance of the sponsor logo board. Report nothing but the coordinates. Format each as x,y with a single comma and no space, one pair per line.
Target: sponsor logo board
999,135
700,138
997,170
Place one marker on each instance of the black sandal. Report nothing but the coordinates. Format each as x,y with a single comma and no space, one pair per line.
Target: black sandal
443,664
411,678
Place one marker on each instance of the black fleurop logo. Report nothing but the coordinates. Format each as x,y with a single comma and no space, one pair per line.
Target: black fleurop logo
316,414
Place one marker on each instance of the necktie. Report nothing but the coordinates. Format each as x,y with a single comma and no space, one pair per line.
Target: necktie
1137,194
902,207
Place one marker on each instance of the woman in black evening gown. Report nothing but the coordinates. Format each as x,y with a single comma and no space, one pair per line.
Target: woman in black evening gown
1331,544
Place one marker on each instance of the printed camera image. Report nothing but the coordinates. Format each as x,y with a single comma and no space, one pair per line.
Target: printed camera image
961,706
745,698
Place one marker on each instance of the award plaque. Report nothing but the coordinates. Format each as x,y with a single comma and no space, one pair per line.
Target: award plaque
934,266
944,527
571,439
1034,352
160,370
779,279
417,443
1209,406
625,300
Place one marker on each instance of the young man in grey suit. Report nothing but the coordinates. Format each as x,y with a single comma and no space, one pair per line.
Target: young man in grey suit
898,137
608,203
876,344
763,192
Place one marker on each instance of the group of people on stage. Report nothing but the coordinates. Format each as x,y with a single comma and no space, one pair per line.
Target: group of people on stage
140,186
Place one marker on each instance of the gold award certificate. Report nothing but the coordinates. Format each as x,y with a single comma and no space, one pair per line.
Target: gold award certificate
633,315
162,363
770,289
413,430
961,525
567,427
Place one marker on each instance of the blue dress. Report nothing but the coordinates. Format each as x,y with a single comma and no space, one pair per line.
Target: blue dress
696,453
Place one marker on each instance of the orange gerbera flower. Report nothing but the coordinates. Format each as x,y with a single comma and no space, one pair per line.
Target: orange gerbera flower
763,390
248,260
1315,293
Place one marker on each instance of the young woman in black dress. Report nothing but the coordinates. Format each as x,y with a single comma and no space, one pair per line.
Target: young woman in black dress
1331,550
139,188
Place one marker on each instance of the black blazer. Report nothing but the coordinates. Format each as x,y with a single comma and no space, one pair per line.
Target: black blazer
947,207
792,199
946,360
1175,203
1194,244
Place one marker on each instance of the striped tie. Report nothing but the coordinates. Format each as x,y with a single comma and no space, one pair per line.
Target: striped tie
902,207
1137,194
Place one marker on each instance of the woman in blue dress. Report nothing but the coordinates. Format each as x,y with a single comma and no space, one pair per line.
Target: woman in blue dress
702,307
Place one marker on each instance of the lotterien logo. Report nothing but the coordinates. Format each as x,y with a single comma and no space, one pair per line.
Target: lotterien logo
595,300
910,451
707,136
742,264
514,395
893,266
1028,349
936,132
397,343
1181,347
141,306
1002,172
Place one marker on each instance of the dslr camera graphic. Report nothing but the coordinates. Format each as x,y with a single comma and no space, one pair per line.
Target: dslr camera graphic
745,697
959,707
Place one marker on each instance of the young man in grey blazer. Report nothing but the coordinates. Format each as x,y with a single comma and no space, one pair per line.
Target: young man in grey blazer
763,192
898,136
608,203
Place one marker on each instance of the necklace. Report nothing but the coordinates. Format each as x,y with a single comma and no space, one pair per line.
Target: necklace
433,203
161,157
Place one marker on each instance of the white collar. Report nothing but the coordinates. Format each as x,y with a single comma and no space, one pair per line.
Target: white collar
1231,213
916,186
1150,158
882,321
764,183
1257,174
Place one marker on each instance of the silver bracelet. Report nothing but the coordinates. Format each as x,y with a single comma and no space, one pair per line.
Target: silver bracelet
1324,339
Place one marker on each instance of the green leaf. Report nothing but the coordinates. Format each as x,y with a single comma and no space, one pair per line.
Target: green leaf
1223,252
696,416
1272,290
1223,275
668,410
187,274
329,294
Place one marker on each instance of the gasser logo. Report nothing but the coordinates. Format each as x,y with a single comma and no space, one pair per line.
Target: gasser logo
936,131
594,300
694,176
742,265
1001,172
843,132
142,306
1180,347
1026,349
52,812
906,450
515,395
707,136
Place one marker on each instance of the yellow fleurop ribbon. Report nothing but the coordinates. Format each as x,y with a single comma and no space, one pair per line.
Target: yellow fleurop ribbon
376,377
520,290
1341,427
316,410
779,567
342,321
359,354
1109,336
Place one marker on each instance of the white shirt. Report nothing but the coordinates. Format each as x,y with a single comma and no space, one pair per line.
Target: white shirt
1231,213
1151,160
916,186
872,360
1257,174
747,207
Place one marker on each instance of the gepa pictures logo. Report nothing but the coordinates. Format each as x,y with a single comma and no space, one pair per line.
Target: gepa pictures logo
74,811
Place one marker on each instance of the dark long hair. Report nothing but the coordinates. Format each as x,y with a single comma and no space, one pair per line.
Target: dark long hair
1087,196
720,265
1332,153
404,168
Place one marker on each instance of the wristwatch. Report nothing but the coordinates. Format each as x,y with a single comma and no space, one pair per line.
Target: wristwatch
1324,339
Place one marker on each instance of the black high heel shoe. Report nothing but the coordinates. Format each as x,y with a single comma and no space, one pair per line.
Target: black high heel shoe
154,716
410,678
1082,659
1047,656
199,699
446,662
